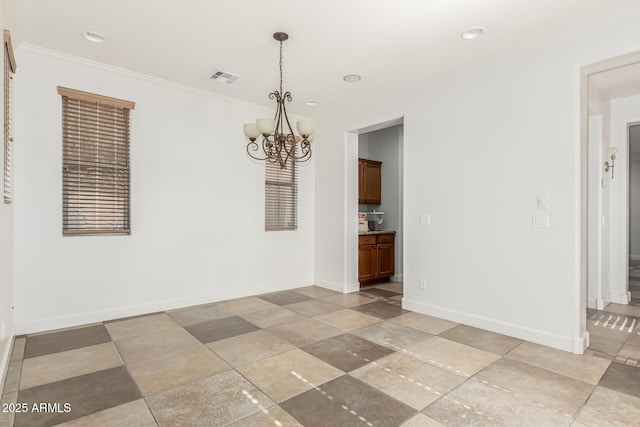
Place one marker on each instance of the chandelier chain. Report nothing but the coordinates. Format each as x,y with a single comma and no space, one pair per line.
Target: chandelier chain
280,67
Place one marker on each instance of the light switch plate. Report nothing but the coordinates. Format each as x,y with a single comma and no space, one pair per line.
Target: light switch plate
425,219
540,221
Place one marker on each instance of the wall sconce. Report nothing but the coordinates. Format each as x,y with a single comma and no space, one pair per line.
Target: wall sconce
612,153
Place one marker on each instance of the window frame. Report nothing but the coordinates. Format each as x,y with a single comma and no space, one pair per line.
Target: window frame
286,207
96,163
10,68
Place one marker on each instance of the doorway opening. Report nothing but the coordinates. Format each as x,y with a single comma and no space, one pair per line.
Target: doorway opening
610,107
376,243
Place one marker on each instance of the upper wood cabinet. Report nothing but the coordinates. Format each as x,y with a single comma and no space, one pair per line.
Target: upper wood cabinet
369,181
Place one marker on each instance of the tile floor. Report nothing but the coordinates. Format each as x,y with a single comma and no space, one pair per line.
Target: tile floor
314,357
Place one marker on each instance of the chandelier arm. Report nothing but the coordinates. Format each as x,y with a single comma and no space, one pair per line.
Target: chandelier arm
253,146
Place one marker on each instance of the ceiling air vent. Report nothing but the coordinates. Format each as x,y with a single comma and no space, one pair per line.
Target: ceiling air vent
224,76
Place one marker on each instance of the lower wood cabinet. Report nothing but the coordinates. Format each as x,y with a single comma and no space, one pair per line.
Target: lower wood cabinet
376,257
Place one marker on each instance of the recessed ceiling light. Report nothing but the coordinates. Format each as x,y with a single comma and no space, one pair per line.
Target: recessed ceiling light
312,102
472,33
351,78
94,37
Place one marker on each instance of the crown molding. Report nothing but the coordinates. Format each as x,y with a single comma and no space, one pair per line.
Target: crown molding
141,76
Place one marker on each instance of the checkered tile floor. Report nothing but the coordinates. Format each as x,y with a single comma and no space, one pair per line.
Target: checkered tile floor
314,357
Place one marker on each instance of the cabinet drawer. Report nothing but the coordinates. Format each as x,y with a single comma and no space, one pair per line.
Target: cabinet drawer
366,240
385,238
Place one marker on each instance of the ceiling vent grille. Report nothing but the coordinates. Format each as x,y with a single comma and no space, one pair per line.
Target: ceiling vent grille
224,76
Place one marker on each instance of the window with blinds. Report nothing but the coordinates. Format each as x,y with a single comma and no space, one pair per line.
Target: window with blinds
281,196
9,70
95,169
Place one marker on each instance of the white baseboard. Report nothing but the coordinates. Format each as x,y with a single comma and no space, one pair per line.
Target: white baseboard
622,298
398,278
560,342
77,319
598,303
328,285
5,357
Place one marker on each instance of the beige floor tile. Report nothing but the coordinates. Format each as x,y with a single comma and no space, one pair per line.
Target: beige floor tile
313,307
347,320
454,357
580,367
246,305
304,332
564,394
348,300
192,315
421,420
247,348
422,322
630,350
67,364
288,374
134,413
7,418
12,378
408,380
315,291
140,326
149,346
216,400
18,348
480,405
163,373
272,316
392,335
272,416
631,310
609,408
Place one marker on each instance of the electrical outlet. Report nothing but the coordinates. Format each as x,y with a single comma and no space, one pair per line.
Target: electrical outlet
422,284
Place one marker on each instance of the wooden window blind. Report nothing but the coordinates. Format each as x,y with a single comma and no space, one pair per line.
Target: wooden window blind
95,170
9,70
281,196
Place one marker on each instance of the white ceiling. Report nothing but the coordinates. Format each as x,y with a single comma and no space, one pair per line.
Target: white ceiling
391,44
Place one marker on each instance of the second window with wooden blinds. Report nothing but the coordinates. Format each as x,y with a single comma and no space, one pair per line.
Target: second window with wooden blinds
9,70
281,196
95,170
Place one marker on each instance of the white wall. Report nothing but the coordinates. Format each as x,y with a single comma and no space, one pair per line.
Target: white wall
480,144
599,182
197,206
7,329
623,112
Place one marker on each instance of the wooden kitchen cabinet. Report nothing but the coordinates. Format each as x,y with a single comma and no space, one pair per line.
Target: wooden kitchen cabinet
376,257
369,182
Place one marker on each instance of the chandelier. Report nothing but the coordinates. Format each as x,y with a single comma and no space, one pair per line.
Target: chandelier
278,142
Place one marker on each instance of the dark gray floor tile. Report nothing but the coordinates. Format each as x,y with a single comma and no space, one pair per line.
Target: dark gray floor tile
347,401
347,352
84,395
285,297
481,339
219,329
622,378
380,309
55,342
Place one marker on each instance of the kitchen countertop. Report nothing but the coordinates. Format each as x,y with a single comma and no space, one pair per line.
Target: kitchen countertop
366,233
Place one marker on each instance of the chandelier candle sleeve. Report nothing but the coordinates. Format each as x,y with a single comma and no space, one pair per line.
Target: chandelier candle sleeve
278,141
